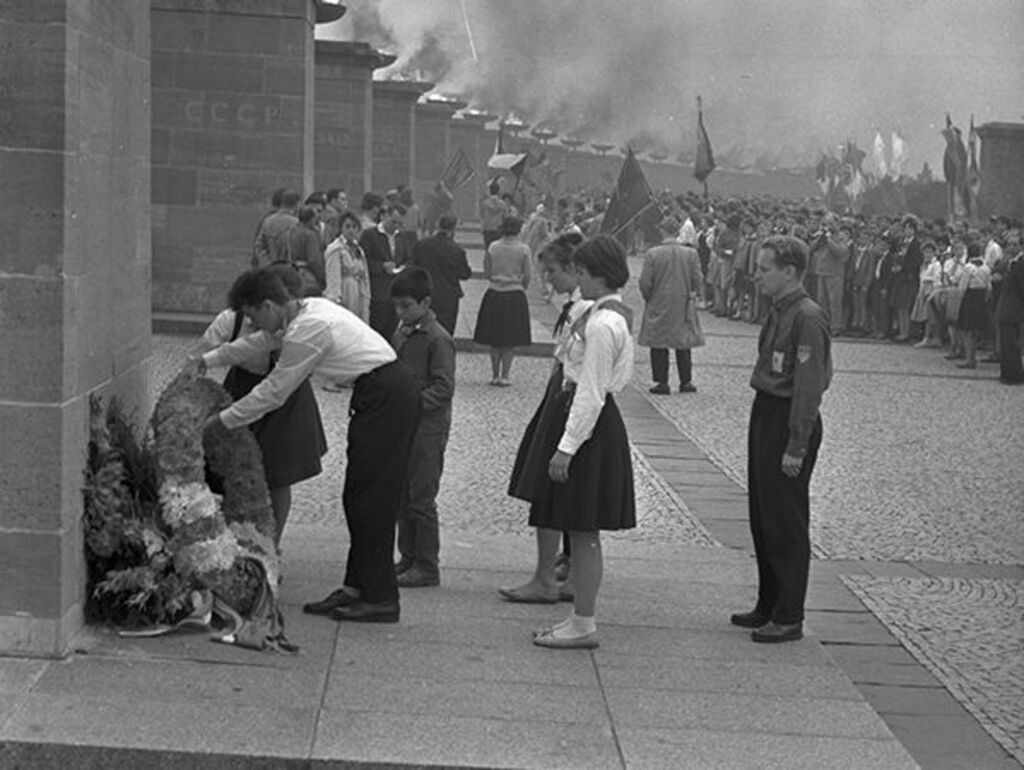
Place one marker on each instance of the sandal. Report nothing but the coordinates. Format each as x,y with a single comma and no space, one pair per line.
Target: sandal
520,596
547,638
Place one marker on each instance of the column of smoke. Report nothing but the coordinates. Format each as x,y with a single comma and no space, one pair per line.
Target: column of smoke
782,80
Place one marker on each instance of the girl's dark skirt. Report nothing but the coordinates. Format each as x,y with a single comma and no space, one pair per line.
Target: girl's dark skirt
599,492
503,320
291,438
973,315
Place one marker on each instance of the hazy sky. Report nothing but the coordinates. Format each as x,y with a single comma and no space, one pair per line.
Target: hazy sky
781,81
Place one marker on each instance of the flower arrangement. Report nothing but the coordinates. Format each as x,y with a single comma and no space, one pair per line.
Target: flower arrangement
158,540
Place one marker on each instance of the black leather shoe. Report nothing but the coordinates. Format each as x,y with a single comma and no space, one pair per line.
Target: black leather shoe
772,632
335,599
748,619
688,387
365,612
661,389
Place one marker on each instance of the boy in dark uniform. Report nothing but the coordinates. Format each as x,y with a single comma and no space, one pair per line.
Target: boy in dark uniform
794,367
428,351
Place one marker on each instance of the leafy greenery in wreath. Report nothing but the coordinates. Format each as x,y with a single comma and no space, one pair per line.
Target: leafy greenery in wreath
160,545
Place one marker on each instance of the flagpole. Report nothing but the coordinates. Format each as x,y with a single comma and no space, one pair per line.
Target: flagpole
633,218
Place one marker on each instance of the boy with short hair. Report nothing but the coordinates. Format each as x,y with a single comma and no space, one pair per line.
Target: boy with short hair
428,351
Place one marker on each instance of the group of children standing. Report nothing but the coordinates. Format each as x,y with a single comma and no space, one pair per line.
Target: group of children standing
573,465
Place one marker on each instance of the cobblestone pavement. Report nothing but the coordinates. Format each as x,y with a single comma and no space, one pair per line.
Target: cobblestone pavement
968,633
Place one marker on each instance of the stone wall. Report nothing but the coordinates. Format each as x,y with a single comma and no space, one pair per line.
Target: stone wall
232,90
74,284
344,116
1001,168
394,126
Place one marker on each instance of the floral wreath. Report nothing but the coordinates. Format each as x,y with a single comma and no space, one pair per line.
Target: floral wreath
162,549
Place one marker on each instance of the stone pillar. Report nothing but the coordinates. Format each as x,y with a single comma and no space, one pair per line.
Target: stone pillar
394,132
232,90
1001,167
74,285
433,143
344,116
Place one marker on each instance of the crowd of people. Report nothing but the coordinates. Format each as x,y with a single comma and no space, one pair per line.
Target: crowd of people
369,300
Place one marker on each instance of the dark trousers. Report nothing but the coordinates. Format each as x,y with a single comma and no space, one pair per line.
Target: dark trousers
780,511
383,415
659,365
1010,367
419,539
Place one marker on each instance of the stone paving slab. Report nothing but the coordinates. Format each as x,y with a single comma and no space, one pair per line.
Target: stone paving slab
158,722
713,749
766,714
431,694
365,737
954,742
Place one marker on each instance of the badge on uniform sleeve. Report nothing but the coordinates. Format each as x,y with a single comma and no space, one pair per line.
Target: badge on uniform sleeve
803,353
778,359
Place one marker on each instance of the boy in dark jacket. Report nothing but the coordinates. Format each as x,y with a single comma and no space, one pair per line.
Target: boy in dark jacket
428,351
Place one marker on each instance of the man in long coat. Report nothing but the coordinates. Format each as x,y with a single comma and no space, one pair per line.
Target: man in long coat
670,284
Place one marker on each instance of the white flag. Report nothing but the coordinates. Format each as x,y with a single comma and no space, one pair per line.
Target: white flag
879,166
899,155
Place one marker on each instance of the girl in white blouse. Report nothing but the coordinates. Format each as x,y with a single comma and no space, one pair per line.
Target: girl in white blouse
582,440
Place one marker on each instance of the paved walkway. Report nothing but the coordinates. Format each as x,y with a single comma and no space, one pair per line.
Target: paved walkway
457,682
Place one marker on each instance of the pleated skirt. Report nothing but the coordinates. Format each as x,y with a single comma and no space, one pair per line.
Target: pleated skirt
599,494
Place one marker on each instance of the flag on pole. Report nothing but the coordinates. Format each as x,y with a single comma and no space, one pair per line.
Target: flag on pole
507,161
899,155
879,166
705,162
632,197
458,171
973,176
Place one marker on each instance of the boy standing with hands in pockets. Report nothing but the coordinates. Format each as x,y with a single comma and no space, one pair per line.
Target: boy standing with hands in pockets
428,351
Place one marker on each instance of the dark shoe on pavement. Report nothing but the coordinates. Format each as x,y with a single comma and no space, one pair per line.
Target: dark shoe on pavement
748,619
953,356
772,632
366,612
417,578
661,389
339,598
689,387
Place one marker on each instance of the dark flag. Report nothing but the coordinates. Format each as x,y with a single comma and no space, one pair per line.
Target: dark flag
632,197
705,162
458,171
954,168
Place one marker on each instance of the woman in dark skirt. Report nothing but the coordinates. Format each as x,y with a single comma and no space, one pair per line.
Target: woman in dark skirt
576,468
291,438
503,322
544,587
972,320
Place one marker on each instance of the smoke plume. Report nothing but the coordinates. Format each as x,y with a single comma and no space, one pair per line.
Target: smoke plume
782,80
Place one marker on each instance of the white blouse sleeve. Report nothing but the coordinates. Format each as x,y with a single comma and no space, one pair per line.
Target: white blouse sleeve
592,386
300,354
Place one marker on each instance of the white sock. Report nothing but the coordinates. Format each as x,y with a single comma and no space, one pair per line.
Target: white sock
582,624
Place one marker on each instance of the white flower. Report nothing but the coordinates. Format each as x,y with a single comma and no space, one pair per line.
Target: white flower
185,503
